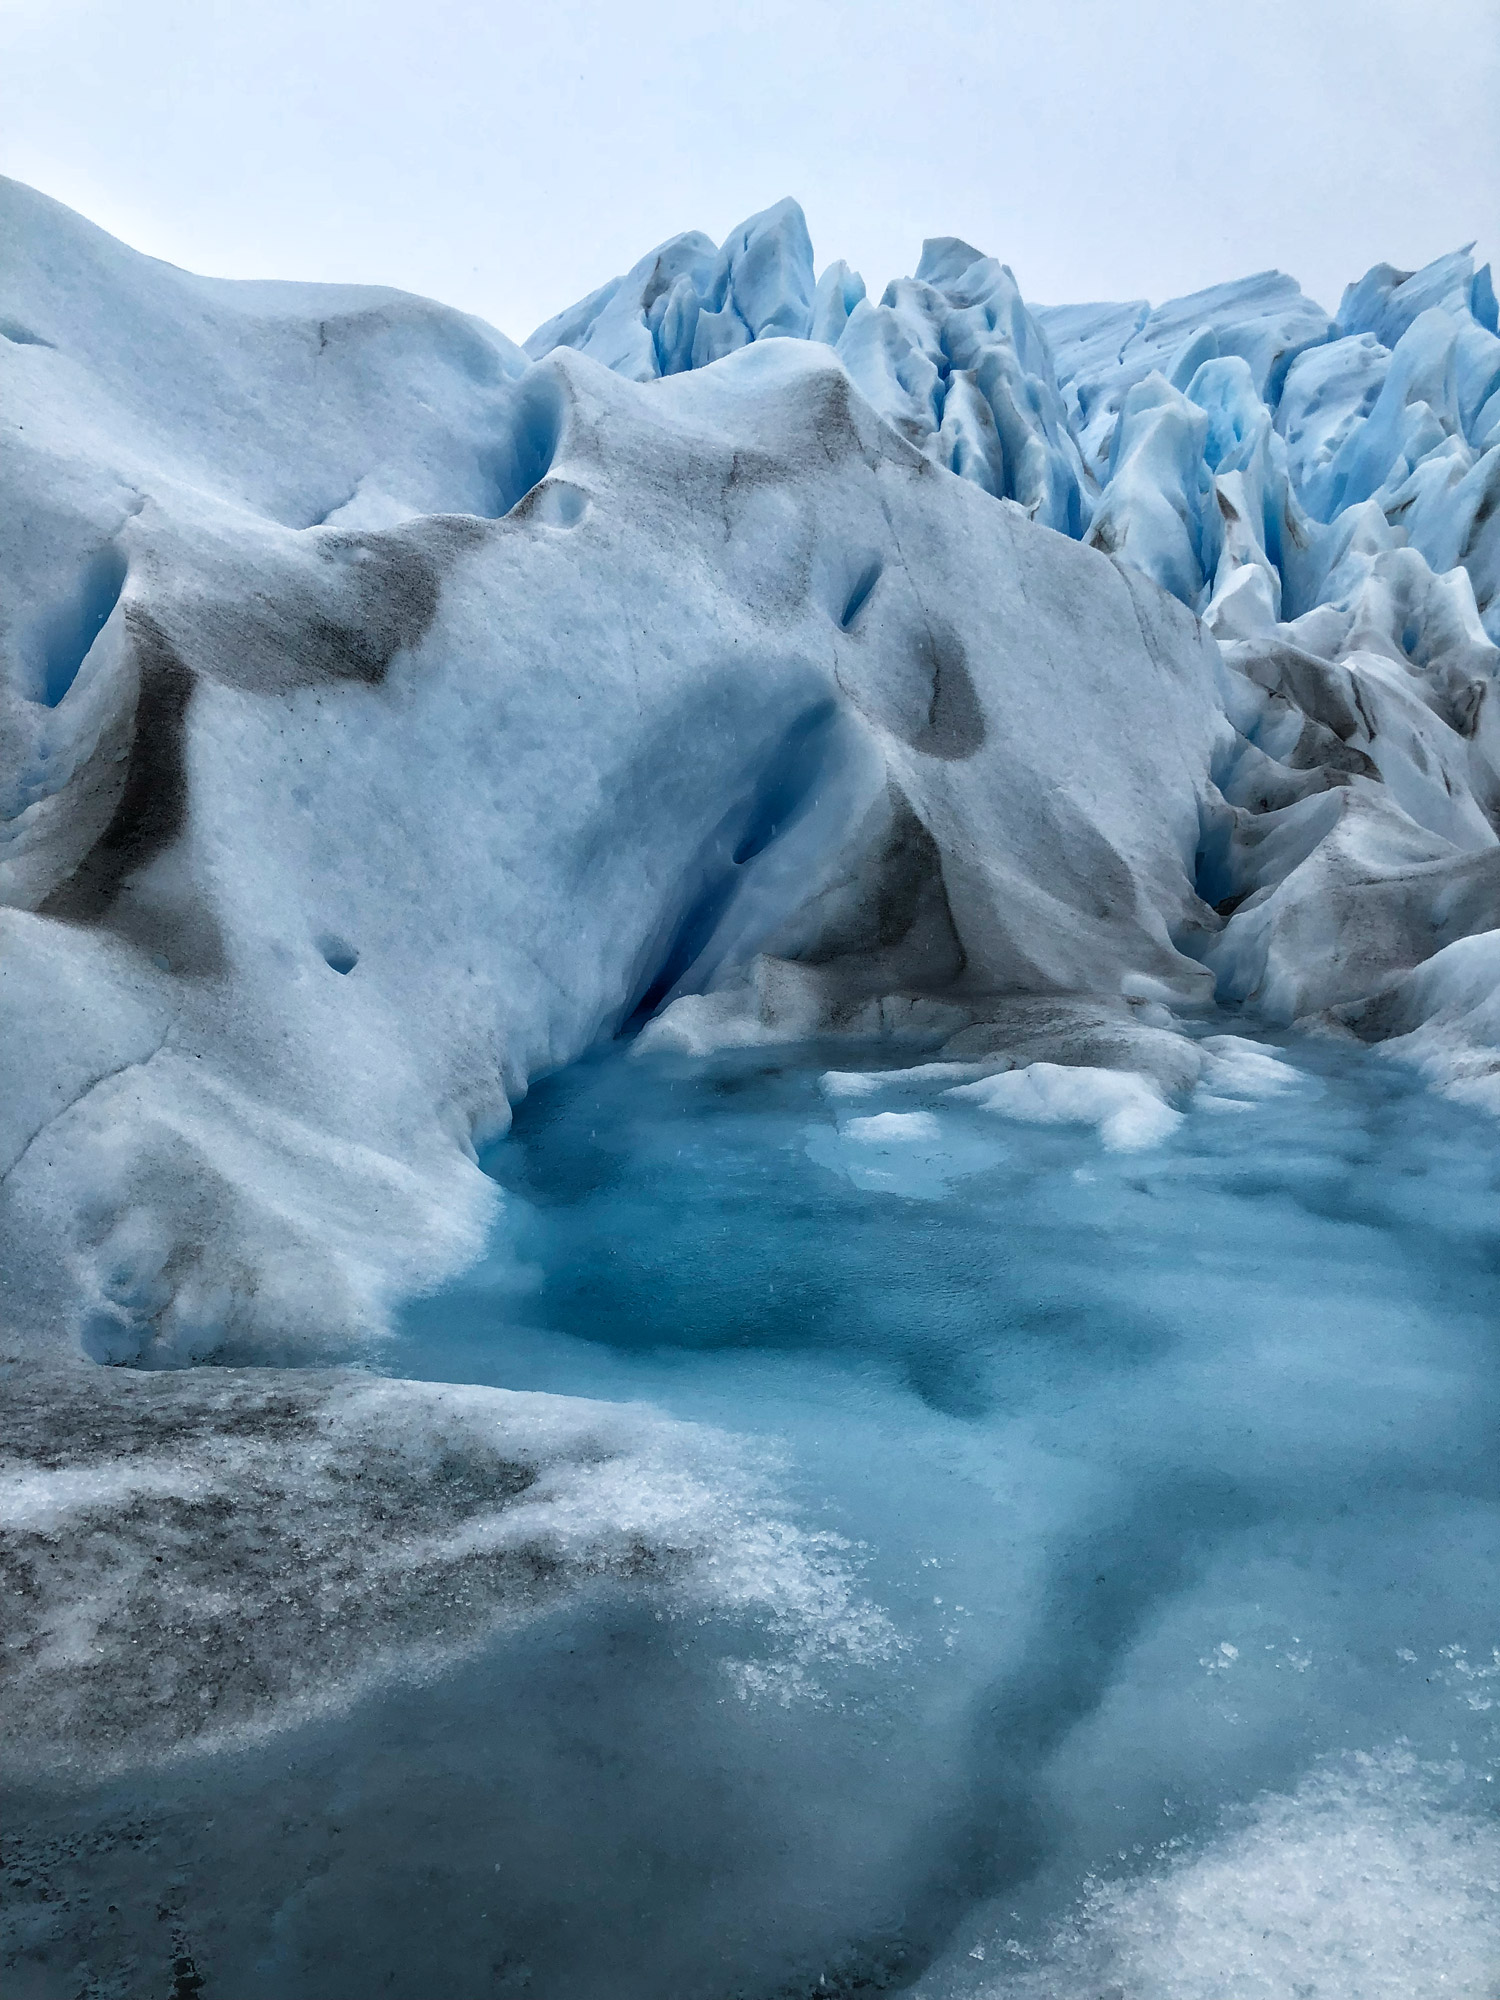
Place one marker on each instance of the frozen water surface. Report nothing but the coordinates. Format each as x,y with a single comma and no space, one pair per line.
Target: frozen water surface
1141,1638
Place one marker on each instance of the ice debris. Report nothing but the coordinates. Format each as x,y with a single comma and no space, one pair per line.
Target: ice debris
1128,1111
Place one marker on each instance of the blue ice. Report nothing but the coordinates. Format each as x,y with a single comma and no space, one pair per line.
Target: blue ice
1089,416
1173,1468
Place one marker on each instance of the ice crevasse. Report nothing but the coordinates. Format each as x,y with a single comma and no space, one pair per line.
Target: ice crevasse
391,712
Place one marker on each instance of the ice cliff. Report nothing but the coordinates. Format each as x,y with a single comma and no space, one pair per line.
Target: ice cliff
390,712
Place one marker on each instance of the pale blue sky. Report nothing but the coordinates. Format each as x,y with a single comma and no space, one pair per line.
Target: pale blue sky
508,159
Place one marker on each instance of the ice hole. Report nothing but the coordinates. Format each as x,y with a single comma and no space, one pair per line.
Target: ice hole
557,503
22,336
523,459
859,595
843,578
73,626
340,956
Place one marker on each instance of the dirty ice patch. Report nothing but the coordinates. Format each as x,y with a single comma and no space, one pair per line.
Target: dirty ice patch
203,1557
1370,1881
1129,1111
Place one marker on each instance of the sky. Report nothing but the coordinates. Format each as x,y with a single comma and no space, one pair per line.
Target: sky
507,159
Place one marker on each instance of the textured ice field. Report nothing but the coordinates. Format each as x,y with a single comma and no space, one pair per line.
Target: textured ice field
1141,1505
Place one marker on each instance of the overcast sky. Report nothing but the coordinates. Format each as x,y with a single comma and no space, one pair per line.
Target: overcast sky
509,159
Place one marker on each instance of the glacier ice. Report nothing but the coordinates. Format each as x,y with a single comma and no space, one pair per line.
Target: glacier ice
1021,786
756,734
263,652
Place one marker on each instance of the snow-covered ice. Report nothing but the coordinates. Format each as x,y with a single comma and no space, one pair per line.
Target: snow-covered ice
1021,786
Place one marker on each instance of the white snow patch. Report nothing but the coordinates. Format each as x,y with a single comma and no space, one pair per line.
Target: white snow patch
1128,1109
700,1024
865,1083
885,1128
1365,1883
1239,1073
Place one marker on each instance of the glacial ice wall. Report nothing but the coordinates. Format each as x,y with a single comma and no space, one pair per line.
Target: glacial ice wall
1321,490
390,712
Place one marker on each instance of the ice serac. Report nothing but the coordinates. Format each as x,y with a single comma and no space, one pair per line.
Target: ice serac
688,303
1322,491
644,324
1397,399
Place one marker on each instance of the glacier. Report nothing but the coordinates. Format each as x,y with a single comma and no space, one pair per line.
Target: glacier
954,795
